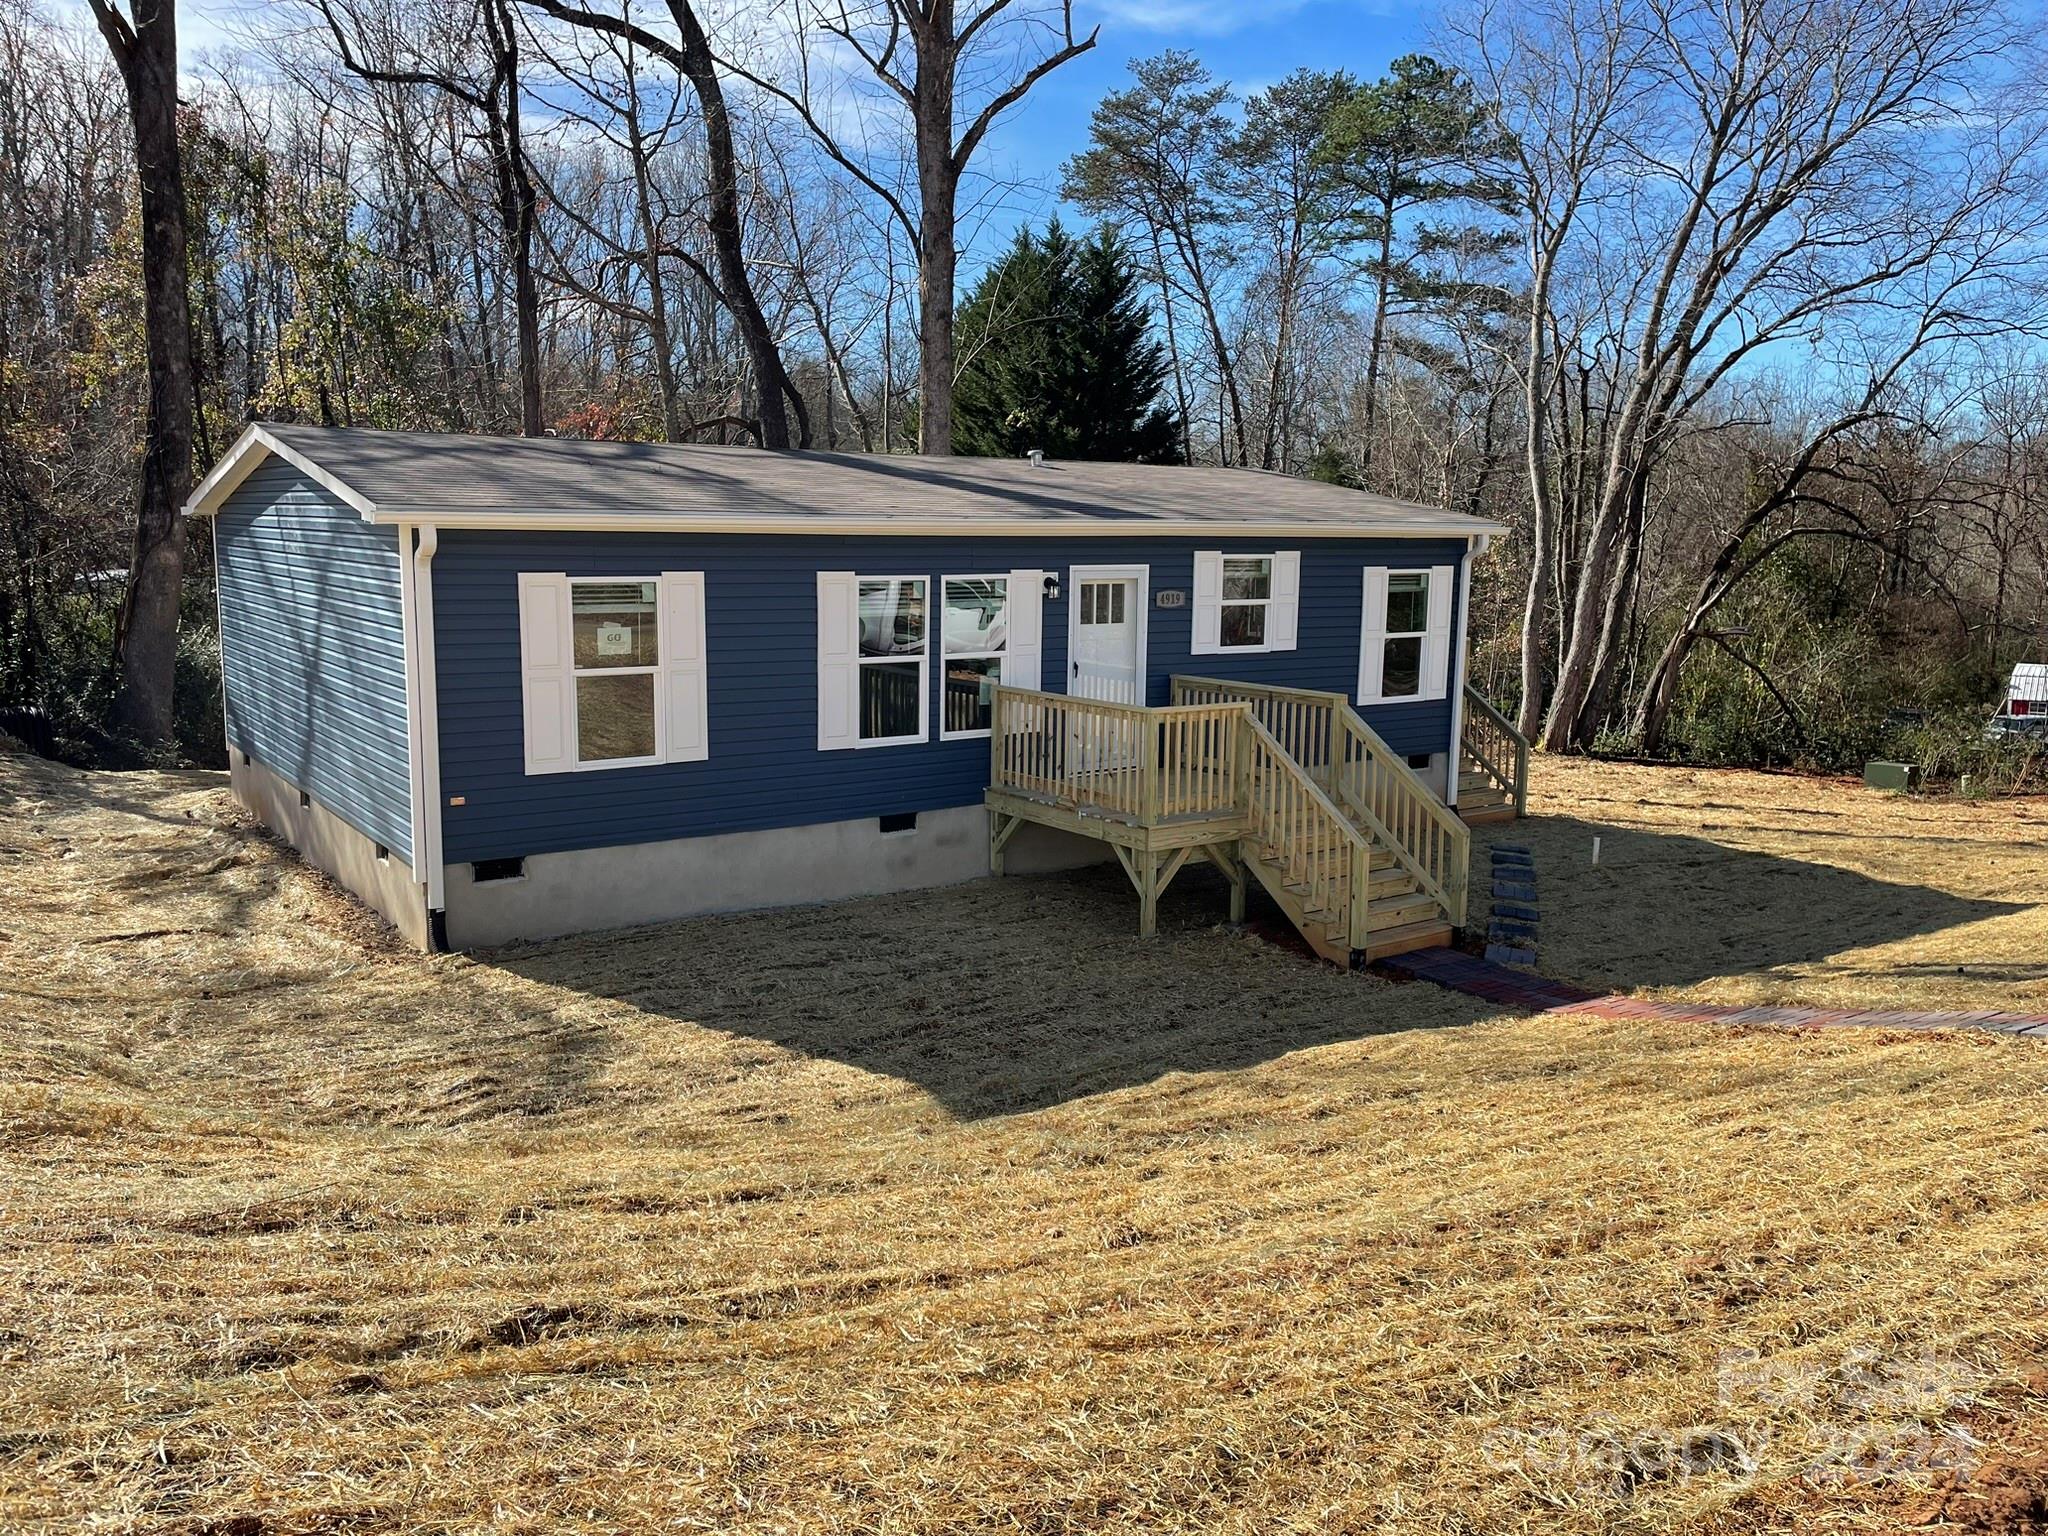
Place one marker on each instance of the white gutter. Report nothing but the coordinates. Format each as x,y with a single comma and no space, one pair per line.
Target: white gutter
424,709
540,520
1474,548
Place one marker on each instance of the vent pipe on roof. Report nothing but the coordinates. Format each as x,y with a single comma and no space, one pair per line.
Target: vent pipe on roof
1036,456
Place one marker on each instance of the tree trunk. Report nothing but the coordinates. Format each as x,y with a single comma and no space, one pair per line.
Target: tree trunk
1542,512
516,210
724,220
1379,332
938,256
146,641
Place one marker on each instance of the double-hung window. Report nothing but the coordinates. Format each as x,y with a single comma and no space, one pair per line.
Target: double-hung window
1246,602
1405,650
615,628
612,670
894,647
875,639
974,634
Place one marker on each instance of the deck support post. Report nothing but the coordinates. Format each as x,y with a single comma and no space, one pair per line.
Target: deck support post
1226,857
1001,829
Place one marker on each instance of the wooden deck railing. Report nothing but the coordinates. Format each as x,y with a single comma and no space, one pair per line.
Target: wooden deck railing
1501,751
1425,836
1297,827
1123,760
1302,720
1363,774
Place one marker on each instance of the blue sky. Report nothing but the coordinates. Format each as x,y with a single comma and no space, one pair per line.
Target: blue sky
1248,43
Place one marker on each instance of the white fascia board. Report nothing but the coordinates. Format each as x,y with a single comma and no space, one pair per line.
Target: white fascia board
254,446
1453,526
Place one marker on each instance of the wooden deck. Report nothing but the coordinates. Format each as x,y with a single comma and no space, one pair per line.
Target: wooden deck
1285,786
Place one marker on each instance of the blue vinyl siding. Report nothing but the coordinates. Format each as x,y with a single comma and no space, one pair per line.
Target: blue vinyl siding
765,769
313,648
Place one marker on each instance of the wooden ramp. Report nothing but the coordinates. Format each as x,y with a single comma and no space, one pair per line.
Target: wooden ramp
1288,787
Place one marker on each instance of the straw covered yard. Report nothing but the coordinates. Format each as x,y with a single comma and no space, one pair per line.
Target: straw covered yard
970,1210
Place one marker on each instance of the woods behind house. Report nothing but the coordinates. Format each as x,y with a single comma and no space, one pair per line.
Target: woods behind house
1733,314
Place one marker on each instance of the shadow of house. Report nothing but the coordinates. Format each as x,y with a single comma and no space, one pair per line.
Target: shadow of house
1664,909
1018,994
999,996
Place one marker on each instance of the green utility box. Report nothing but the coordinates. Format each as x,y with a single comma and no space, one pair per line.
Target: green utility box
1900,776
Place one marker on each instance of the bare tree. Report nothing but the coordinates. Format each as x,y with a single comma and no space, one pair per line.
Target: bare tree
957,65
144,43
1788,163
691,54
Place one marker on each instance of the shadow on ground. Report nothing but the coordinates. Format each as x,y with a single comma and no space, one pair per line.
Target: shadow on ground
1001,995
1663,909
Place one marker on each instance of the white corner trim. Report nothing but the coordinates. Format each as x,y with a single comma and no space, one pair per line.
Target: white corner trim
256,444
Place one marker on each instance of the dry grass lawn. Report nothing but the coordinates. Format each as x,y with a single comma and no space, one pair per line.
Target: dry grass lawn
971,1211
1767,888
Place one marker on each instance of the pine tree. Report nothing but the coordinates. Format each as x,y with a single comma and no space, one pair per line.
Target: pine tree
1059,356
1418,140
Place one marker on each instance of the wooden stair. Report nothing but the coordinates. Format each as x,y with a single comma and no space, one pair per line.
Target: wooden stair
1400,915
1493,764
1482,799
1288,787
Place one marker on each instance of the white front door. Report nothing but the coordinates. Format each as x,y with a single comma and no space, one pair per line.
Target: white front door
1106,661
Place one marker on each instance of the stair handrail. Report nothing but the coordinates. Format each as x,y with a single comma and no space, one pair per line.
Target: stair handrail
1293,841
1517,782
1426,837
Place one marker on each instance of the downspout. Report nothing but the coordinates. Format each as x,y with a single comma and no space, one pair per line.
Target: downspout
1454,769
427,743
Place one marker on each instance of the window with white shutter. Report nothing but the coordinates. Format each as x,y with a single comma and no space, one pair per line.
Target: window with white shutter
1246,602
874,648
1404,651
613,670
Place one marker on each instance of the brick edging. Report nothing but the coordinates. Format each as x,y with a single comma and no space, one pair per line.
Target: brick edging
1465,973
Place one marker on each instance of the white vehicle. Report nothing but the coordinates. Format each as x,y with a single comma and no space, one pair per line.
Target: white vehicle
2025,710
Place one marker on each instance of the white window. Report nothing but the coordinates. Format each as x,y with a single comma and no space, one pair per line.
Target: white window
1405,644
895,642
613,670
974,633
874,647
1246,602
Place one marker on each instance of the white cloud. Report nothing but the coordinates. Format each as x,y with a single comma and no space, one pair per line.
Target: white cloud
1198,18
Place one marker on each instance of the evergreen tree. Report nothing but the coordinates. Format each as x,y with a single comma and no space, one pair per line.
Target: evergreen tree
1058,355
1416,141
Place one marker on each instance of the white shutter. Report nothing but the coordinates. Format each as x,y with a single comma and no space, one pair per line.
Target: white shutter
684,674
1372,638
1208,636
838,660
1024,642
1282,613
1436,643
546,674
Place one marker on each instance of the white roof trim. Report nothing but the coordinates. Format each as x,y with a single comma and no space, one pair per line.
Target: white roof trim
254,446
1454,526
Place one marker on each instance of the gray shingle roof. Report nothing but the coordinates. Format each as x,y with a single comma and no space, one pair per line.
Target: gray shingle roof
457,480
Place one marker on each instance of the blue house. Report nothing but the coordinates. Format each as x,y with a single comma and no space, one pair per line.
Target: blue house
508,688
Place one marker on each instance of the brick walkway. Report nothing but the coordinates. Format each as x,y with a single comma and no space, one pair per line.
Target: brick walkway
1461,972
